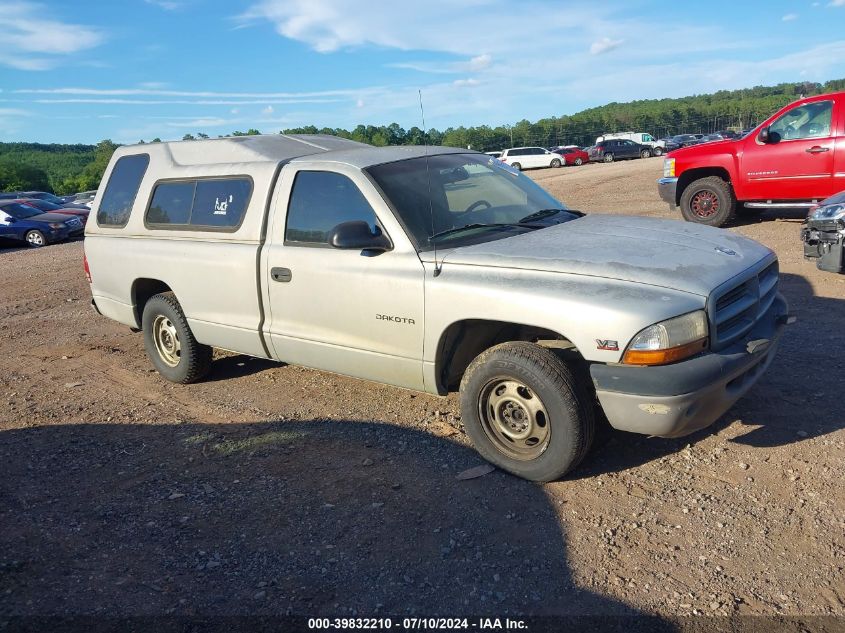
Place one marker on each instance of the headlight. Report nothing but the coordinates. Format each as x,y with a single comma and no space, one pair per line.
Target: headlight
829,212
669,341
668,167
57,225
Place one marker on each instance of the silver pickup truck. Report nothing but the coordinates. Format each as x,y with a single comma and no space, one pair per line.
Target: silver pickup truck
433,269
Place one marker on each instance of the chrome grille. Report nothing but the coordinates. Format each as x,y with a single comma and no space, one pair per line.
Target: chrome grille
735,309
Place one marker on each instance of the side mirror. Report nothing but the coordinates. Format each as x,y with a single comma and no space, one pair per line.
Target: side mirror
763,136
357,235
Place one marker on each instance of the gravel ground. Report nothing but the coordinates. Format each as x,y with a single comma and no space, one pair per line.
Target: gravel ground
272,489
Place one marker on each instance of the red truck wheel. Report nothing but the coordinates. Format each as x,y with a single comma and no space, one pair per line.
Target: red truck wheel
708,201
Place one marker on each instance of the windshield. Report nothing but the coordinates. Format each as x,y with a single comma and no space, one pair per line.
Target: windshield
20,211
473,199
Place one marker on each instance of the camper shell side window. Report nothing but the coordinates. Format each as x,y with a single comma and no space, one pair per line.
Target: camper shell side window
201,204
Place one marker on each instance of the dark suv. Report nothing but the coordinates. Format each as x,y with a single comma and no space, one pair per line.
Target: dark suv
617,149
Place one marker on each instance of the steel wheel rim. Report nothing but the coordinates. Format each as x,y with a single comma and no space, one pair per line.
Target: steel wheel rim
704,204
514,418
608,158
166,340
36,239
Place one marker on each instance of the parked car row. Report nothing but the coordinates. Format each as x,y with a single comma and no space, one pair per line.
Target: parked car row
38,222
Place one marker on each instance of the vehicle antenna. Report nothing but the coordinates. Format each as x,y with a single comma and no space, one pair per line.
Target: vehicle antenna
437,267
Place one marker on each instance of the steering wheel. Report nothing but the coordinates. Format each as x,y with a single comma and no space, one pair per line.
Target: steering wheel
478,203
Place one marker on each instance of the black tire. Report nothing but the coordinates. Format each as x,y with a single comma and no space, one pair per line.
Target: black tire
658,151
35,238
570,421
578,161
555,162
646,153
516,166
608,158
709,201
192,359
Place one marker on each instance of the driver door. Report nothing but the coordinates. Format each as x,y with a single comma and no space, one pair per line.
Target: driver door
352,312
797,162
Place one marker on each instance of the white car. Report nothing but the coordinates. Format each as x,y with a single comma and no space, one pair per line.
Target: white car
528,157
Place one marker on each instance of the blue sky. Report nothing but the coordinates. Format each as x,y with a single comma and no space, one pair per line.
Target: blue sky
85,70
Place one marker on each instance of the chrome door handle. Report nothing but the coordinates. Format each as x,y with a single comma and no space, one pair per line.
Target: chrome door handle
817,149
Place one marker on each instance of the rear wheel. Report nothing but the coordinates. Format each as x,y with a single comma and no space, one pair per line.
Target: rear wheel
555,162
516,166
708,201
526,412
646,153
35,238
608,158
169,342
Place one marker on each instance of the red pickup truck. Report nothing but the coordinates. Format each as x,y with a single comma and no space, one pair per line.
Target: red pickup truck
793,159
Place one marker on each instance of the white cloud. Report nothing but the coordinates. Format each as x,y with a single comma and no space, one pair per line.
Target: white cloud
359,103
837,3
267,111
604,45
32,41
234,111
224,102
124,92
480,62
789,17
465,83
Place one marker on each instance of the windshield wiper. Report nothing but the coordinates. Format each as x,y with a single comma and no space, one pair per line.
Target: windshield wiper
542,214
480,225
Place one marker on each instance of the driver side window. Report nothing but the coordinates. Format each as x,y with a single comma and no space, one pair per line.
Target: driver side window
319,201
811,120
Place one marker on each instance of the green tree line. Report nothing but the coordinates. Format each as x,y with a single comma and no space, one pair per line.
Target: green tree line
70,168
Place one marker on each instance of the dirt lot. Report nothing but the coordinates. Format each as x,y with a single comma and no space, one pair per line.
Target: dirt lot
274,490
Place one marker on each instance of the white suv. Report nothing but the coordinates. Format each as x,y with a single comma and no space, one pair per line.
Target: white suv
527,157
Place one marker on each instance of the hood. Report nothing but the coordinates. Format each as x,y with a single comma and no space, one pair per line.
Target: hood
725,146
666,253
837,198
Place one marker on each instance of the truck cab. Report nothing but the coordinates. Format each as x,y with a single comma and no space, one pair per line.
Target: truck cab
793,159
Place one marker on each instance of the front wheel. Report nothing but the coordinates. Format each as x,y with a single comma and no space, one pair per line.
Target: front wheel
555,162
526,412
516,166
708,201
608,158
658,151
169,342
35,239
645,153
579,162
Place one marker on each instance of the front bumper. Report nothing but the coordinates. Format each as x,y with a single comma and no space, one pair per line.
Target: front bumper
667,188
678,399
